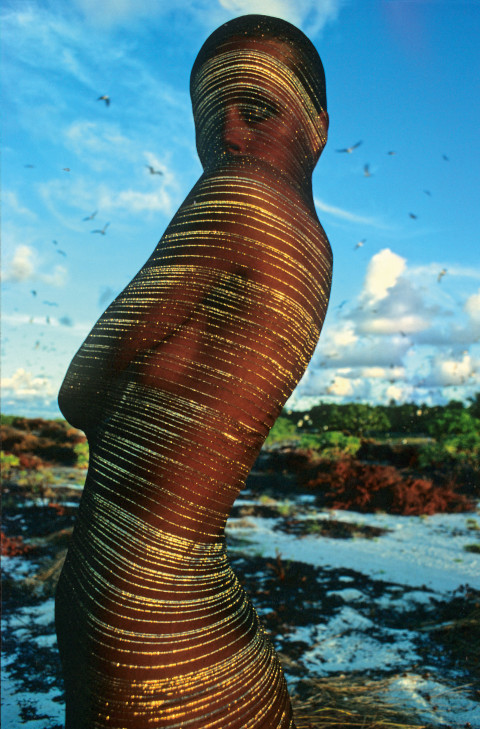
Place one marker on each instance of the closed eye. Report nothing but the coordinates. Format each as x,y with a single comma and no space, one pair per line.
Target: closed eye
257,111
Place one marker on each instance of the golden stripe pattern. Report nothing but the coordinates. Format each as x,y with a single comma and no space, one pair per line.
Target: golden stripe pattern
176,387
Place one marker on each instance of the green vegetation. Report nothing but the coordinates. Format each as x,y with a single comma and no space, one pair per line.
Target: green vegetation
331,444
283,429
449,433
81,451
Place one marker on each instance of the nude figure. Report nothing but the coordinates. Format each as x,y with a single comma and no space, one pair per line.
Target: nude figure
177,386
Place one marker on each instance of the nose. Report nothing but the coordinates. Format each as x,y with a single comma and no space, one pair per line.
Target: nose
235,130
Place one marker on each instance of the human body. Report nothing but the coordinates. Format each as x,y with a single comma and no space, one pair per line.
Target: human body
176,388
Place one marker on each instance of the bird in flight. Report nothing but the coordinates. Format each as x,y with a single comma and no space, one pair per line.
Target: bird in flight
104,98
66,169
359,244
441,274
90,217
444,157
391,152
33,292
349,150
103,231
62,253
153,171
49,303
413,216
366,171
29,167
427,192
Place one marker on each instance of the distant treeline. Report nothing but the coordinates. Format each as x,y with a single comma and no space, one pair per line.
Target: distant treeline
357,419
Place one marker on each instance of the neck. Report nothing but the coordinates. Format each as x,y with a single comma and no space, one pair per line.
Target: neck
296,179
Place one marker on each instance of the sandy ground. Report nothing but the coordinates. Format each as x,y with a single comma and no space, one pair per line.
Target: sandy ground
373,601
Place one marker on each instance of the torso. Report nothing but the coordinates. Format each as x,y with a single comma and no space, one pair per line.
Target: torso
254,264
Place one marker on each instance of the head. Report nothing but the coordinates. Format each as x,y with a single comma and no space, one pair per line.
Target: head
258,91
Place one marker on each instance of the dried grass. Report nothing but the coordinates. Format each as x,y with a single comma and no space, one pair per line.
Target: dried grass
345,702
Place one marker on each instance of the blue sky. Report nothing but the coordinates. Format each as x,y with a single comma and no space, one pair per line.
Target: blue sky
402,77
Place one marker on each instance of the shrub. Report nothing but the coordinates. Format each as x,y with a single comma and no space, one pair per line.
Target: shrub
332,444
81,452
364,487
9,462
13,546
283,429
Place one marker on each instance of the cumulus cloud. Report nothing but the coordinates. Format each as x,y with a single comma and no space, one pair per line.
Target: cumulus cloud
450,371
383,272
25,265
21,266
383,373
24,385
341,386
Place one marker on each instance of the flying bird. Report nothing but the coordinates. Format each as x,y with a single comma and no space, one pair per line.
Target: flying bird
33,292
50,303
153,171
66,169
412,216
104,98
55,242
349,150
444,157
62,253
29,167
441,274
366,170
360,244
90,217
427,192
391,152
103,231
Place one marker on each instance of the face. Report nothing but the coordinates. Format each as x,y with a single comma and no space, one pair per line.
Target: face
250,104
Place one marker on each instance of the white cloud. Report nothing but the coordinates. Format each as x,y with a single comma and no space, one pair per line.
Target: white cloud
383,373
17,320
448,371
337,212
338,337
383,272
10,204
452,270
24,385
404,325
100,143
25,265
472,307
341,386
22,266
399,393
137,202
314,14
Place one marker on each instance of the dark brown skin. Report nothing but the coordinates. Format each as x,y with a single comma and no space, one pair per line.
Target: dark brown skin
202,347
